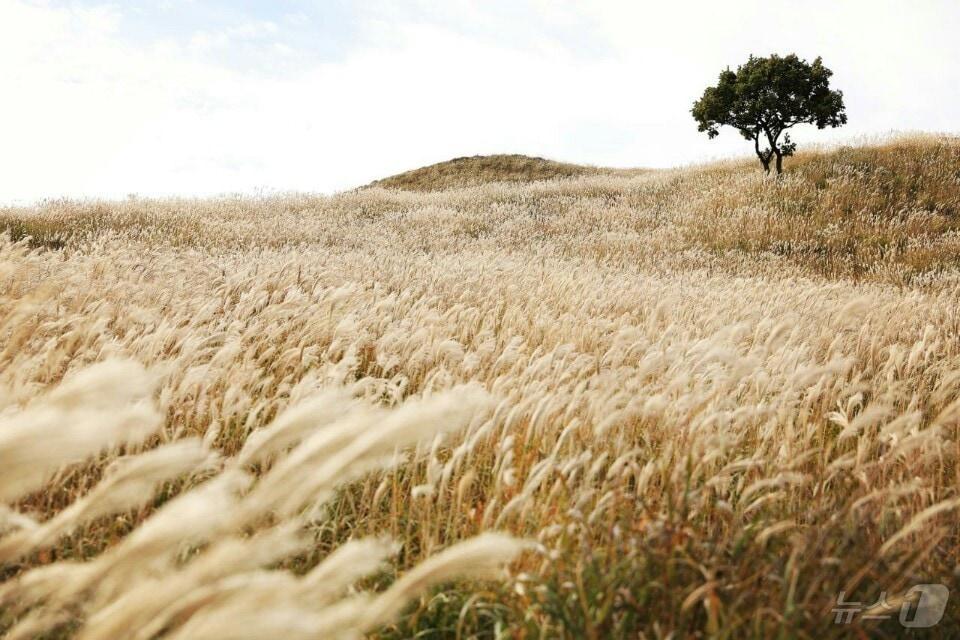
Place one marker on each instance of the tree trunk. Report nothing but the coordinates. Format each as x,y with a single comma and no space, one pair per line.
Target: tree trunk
764,158
779,163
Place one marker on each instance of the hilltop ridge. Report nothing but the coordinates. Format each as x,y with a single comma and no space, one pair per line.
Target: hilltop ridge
472,170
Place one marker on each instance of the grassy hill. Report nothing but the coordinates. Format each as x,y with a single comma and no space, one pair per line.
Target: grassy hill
714,400
886,212
473,170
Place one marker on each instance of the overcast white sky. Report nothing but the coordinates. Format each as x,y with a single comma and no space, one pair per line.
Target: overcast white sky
197,97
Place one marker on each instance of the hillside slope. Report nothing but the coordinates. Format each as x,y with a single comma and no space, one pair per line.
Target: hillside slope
473,170
886,212
714,400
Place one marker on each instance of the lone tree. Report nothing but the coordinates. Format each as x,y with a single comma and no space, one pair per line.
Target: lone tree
766,96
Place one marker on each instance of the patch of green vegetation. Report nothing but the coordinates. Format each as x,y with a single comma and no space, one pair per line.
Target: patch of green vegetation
37,234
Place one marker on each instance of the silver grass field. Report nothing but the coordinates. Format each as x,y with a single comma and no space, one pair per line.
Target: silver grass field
696,402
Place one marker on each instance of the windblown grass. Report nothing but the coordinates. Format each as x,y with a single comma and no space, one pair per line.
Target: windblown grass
712,400
199,565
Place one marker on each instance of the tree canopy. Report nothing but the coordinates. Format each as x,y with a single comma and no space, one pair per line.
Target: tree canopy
765,97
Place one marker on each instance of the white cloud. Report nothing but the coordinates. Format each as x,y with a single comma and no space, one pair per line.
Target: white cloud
250,30
95,111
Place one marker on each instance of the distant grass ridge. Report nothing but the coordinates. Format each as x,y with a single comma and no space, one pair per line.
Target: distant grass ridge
887,212
472,170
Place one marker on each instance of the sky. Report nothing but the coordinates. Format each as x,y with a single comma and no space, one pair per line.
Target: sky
194,97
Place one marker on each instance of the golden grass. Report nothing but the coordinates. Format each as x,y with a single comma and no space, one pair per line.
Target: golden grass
713,401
